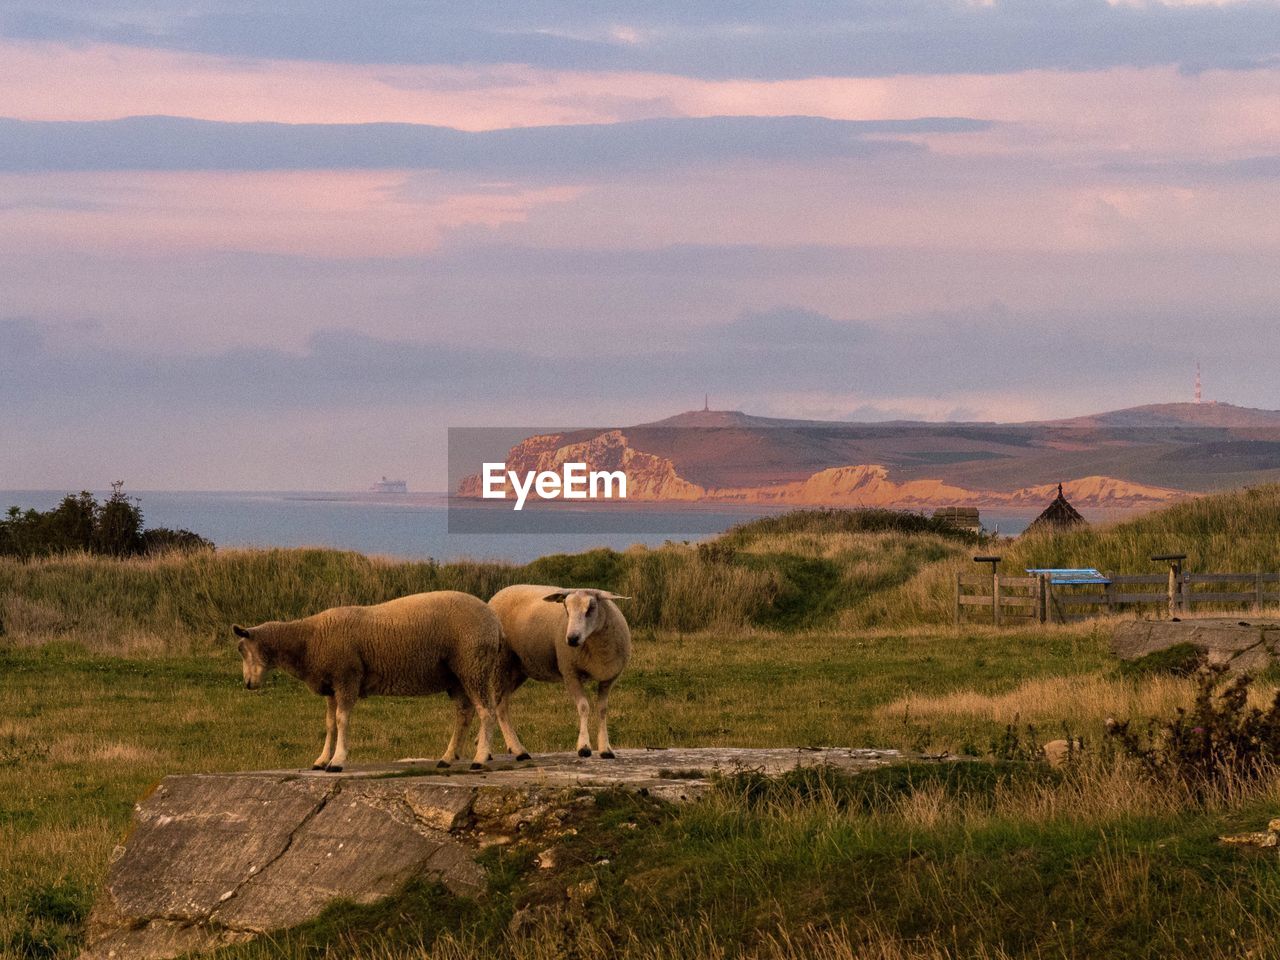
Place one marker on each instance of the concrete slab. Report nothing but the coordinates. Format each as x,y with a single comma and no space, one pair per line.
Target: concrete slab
218,858
1242,643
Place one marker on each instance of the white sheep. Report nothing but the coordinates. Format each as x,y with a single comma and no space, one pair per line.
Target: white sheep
566,636
440,642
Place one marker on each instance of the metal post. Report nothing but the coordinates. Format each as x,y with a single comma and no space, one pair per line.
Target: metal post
1257,592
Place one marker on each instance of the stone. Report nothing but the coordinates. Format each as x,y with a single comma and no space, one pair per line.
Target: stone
1242,644
1265,838
215,859
1058,753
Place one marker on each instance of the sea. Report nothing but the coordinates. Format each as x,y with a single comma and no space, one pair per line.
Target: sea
407,526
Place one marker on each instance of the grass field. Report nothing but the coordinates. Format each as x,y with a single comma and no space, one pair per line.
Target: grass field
114,673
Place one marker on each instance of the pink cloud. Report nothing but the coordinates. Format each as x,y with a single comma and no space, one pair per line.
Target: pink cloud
326,213
1127,111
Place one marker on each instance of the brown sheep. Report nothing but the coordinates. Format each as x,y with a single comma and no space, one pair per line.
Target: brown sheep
440,642
565,636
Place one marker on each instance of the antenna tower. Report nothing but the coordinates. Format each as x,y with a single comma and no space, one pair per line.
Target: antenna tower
1198,395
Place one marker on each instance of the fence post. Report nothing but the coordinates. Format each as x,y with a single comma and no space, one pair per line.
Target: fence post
995,586
1042,600
1257,592
1177,593
1108,590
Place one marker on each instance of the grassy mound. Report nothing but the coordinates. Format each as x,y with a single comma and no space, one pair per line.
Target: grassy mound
810,569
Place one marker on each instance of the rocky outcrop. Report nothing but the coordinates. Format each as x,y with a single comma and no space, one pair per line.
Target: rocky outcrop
654,478
649,477
1097,491
214,859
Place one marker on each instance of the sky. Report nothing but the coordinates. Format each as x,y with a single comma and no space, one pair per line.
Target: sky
286,245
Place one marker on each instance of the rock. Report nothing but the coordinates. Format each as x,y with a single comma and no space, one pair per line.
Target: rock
1060,752
1266,838
1243,645
215,859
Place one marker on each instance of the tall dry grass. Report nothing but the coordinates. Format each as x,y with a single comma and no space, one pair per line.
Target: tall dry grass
184,603
1080,699
676,589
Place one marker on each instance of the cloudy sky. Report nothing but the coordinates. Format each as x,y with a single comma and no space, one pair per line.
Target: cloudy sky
284,246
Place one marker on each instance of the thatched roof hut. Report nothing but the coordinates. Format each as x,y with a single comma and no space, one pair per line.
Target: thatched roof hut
1059,515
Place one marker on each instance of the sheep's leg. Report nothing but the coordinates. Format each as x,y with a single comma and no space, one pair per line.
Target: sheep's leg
342,710
573,684
484,740
602,713
463,712
508,731
330,727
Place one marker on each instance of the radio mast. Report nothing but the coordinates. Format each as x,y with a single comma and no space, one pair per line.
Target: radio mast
1198,396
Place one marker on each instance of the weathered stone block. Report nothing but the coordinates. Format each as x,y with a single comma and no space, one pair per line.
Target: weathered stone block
214,859
1243,645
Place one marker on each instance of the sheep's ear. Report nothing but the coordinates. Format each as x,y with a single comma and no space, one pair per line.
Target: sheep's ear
613,596
555,597
241,632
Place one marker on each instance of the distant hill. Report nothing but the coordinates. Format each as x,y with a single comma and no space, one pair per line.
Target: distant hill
1134,458
1158,415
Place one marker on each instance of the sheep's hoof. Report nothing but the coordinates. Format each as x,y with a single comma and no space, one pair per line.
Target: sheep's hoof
477,766
332,769
608,755
319,766
584,751
524,756
442,764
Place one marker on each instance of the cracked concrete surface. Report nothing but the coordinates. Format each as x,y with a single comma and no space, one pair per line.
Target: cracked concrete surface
213,859
1241,643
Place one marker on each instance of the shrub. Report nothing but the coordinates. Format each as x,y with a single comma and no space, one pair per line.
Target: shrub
1219,741
79,524
159,540
118,531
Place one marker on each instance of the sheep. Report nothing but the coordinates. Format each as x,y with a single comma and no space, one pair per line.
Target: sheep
440,642
569,636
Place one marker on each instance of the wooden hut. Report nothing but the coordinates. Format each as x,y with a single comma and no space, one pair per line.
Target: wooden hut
1059,515
960,518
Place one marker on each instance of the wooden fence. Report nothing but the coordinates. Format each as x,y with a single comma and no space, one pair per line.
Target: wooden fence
1020,600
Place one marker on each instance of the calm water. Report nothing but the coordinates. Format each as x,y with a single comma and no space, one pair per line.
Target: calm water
413,527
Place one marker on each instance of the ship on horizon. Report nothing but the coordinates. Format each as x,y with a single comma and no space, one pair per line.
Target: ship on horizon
390,486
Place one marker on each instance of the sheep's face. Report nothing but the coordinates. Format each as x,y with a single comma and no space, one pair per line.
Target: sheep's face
255,662
586,614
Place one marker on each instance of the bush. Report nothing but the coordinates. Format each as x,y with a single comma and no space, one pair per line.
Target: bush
79,524
1220,741
159,540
